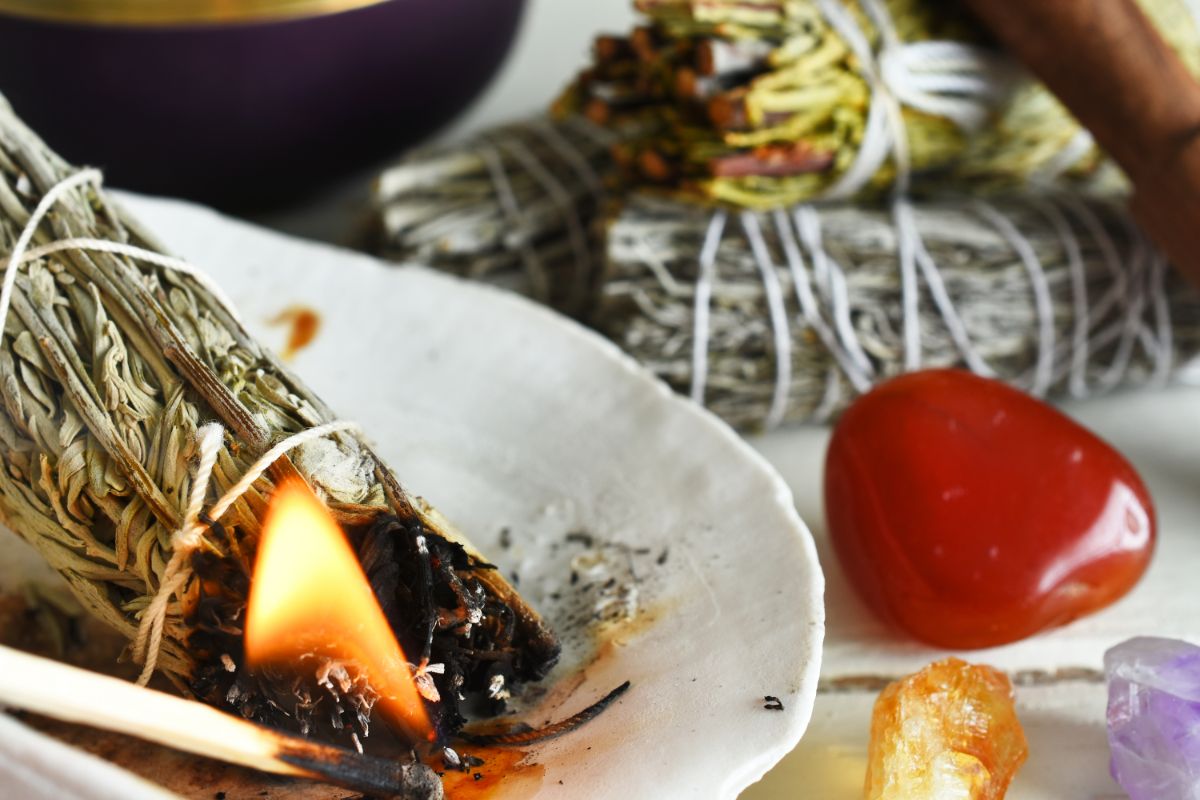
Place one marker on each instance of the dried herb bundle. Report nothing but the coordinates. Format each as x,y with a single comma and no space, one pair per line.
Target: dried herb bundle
807,307
773,102
108,366
644,293
513,206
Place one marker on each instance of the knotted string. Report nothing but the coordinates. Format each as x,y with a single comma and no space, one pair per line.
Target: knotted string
952,80
190,536
210,437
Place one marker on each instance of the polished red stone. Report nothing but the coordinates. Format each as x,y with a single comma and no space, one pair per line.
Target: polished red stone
971,514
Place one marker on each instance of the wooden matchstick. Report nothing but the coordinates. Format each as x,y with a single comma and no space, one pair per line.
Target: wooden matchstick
75,695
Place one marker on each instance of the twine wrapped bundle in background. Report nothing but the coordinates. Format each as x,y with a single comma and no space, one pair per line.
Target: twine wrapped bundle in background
131,399
774,102
788,315
999,310
517,205
514,206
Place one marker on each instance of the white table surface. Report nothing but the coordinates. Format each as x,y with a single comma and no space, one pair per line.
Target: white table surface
553,44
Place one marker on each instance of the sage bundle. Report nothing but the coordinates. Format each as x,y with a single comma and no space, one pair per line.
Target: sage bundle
788,315
131,398
773,102
513,206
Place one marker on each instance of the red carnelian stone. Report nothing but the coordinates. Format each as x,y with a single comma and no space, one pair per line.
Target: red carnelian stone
971,514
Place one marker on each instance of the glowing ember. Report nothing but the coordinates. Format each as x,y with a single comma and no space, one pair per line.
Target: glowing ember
309,596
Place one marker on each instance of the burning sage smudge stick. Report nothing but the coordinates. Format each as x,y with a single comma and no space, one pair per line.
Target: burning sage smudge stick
787,315
109,365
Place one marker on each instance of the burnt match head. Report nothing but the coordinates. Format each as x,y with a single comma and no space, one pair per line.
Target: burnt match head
402,780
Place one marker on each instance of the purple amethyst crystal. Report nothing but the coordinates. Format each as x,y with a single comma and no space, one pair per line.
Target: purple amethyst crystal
1154,718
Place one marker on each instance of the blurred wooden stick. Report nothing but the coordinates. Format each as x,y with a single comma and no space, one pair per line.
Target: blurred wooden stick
1112,69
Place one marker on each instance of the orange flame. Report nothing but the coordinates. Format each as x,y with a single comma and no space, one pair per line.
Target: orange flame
309,595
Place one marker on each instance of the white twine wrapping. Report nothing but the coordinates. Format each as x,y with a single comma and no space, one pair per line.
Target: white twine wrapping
779,323
209,437
1118,295
558,193
561,197
1043,376
831,281
1131,312
21,252
704,279
539,280
809,308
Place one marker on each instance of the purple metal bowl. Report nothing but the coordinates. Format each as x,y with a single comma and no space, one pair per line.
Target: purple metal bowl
251,114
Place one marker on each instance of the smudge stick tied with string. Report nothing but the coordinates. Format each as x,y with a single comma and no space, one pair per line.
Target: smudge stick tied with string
787,316
113,356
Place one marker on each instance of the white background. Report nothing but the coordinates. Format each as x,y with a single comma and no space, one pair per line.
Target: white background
552,45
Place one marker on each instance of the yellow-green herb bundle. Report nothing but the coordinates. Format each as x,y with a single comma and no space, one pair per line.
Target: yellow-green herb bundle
771,102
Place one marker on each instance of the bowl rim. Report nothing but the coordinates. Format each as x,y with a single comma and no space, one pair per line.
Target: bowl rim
155,13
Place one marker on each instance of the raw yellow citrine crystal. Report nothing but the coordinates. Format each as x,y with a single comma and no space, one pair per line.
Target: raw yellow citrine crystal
948,732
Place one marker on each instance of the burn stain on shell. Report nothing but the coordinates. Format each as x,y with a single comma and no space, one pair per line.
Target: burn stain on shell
509,767
305,323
